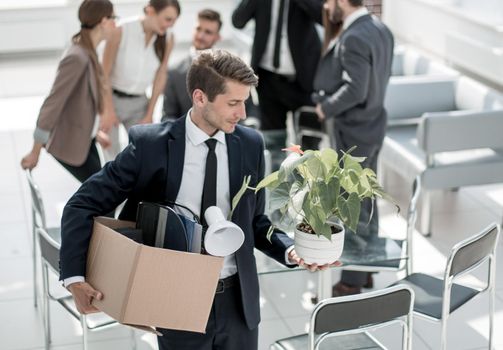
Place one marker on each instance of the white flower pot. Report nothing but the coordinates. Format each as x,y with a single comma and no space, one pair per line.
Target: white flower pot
319,250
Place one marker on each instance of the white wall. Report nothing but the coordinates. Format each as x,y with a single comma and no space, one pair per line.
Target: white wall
463,33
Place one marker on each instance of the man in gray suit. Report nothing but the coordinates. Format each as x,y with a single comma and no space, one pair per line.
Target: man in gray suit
177,101
350,85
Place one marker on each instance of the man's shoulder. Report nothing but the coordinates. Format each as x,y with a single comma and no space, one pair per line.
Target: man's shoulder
248,135
149,132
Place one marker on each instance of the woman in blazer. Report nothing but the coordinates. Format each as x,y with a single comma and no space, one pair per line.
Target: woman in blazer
67,122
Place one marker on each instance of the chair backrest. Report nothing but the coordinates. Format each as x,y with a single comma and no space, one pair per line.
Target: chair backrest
363,311
472,251
473,95
49,248
460,130
37,205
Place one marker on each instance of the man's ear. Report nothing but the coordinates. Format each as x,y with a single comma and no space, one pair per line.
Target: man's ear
199,98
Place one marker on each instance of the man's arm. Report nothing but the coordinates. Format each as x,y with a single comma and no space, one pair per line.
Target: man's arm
313,8
244,13
99,195
355,61
277,247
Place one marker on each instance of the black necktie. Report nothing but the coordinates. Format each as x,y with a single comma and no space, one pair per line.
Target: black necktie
277,39
210,180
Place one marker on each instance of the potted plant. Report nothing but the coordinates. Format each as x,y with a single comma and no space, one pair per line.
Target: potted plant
320,194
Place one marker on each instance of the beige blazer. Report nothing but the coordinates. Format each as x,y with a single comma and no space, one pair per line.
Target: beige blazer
67,117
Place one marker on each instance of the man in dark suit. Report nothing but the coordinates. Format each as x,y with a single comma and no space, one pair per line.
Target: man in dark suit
350,85
286,50
206,34
198,161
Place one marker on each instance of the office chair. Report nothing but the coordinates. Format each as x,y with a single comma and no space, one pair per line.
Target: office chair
309,131
49,257
396,253
343,322
38,221
437,298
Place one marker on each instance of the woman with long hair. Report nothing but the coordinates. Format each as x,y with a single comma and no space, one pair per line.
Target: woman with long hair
135,58
67,123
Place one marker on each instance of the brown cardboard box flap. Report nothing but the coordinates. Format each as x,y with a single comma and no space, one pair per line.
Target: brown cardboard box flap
150,287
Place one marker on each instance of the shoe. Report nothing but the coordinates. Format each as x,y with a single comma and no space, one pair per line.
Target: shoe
341,289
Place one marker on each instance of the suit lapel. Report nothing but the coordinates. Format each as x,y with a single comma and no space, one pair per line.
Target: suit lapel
176,157
235,164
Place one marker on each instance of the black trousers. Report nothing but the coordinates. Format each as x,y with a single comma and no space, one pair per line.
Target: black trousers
91,166
226,329
366,229
277,95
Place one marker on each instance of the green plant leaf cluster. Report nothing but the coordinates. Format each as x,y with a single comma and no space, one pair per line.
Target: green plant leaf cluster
317,186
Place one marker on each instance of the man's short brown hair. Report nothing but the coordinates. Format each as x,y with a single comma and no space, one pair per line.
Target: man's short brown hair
210,70
210,15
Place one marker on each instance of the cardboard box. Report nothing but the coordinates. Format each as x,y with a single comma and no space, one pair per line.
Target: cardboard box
149,287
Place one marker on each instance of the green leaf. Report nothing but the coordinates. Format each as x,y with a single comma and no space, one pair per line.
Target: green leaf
239,194
291,163
330,158
314,168
279,197
354,205
268,181
269,233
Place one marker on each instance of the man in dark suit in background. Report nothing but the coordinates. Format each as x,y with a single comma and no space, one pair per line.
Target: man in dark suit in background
206,34
350,85
286,50
198,161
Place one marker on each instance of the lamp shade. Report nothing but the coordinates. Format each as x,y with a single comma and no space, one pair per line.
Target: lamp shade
222,237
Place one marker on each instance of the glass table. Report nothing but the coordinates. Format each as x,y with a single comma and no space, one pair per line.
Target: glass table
360,254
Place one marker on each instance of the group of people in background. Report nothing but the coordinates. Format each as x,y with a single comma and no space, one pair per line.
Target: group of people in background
343,75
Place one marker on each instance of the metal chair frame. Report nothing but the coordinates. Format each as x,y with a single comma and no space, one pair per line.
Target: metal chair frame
65,301
448,282
406,259
315,341
38,221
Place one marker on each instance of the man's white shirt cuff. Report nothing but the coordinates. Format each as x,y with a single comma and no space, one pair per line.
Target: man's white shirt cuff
287,251
74,279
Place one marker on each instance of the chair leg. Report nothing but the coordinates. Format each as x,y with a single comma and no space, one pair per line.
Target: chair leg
34,267
133,339
426,223
46,307
83,323
492,295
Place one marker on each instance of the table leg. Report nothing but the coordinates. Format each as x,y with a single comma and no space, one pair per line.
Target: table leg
324,284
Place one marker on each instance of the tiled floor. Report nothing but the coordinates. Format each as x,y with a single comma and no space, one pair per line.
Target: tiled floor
285,297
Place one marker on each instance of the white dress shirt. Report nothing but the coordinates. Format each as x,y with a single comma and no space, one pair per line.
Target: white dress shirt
191,187
354,16
286,66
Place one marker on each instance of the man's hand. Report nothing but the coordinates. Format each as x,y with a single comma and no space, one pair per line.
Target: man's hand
83,295
294,258
319,112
